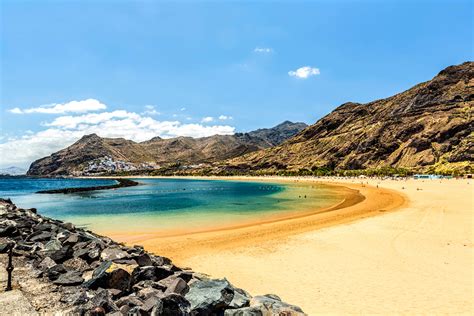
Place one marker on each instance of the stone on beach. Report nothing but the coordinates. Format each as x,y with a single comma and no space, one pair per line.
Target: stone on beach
87,272
210,295
69,278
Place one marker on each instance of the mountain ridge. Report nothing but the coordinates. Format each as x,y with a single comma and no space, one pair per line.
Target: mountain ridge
424,127
93,153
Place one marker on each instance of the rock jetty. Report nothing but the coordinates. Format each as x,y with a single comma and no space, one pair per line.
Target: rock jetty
122,183
81,273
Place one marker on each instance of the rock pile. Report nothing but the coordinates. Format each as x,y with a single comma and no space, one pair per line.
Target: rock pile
97,276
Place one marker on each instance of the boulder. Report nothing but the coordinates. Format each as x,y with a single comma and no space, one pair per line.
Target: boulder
271,304
210,295
111,275
186,276
113,253
147,284
69,278
53,245
152,303
68,226
62,254
46,264
103,299
130,301
115,293
246,311
4,247
152,273
72,239
144,260
93,254
178,286
41,236
43,227
77,264
148,292
76,297
99,276
86,252
118,279
241,299
174,304
25,246
55,271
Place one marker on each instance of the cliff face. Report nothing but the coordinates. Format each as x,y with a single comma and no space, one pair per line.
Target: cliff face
122,154
429,125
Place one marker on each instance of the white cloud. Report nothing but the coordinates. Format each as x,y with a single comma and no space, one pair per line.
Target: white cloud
263,50
150,110
225,117
16,111
207,119
61,108
182,109
304,72
65,130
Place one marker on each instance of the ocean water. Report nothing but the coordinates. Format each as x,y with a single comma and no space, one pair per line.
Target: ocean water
161,205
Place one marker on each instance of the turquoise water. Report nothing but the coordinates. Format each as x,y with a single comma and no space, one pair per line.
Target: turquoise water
160,204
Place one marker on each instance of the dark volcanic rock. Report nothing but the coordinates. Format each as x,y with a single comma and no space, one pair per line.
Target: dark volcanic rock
178,286
114,253
120,280
210,295
7,231
46,264
55,271
102,299
110,275
62,254
144,260
42,236
152,273
69,278
174,304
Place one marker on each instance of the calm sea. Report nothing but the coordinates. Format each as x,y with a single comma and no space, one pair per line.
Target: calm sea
161,204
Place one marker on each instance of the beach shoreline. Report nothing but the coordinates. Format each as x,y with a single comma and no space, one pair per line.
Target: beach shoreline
415,256
360,201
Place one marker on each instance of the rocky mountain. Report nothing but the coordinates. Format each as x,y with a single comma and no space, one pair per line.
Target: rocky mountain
278,134
428,128
12,171
92,154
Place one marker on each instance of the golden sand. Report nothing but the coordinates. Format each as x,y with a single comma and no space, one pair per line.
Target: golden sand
414,257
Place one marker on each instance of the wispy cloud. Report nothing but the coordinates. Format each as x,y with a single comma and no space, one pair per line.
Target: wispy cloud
225,117
150,110
263,50
83,106
207,119
304,72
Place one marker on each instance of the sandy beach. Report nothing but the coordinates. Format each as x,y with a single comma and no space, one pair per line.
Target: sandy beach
405,247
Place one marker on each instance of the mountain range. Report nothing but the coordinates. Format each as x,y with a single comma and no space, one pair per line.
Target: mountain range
92,154
427,128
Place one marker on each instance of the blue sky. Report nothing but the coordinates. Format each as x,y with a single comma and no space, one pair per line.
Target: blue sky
136,69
